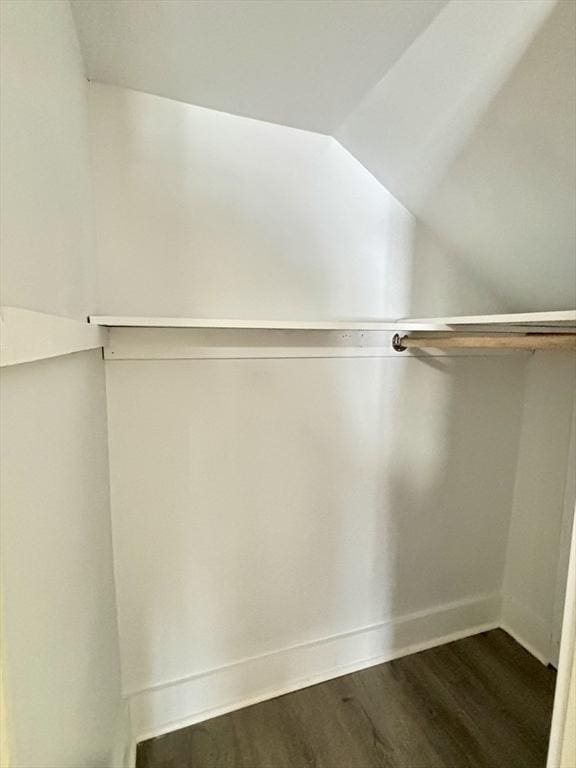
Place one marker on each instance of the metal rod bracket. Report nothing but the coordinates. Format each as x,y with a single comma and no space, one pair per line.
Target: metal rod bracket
397,345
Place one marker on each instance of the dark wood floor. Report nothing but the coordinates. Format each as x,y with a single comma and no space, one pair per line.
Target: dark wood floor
482,701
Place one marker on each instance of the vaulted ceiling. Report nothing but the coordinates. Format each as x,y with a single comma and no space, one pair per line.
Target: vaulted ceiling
302,63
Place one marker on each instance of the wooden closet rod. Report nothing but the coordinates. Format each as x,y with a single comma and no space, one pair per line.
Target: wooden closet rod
532,341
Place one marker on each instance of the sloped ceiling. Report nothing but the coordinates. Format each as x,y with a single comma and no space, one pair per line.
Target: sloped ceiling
465,110
302,63
483,149
507,201
413,122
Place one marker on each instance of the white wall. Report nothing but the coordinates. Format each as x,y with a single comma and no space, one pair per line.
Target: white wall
264,504
543,505
202,213
261,509
59,619
59,650
562,750
47,235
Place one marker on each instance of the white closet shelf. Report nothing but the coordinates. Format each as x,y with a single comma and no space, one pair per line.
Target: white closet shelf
111,321
556,319
531,320
27,335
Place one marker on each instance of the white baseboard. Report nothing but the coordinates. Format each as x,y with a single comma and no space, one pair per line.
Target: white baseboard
164,708
528,629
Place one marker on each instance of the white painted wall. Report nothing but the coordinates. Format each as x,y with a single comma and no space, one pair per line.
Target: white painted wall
265,504
261,509
562,751
543,505
59,619
47,235
60,659
202,213
569,737
260,506
566,529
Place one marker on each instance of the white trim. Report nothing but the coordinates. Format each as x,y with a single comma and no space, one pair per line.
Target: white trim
203,322
179,703
26,335
529,630
546,320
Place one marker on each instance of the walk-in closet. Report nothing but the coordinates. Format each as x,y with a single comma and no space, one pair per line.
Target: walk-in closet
288,387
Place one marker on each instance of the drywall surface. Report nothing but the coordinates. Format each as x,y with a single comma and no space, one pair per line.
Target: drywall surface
544,477
47,237
60,646
562,588
562,750
260,505
280,520
60,653
569,739
202,213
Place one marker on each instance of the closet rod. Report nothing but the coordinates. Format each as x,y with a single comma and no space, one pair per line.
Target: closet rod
532,341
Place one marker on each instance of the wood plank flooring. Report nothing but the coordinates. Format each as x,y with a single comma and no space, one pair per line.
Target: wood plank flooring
481,702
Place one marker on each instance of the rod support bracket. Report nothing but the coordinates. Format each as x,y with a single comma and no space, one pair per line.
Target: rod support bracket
397,345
